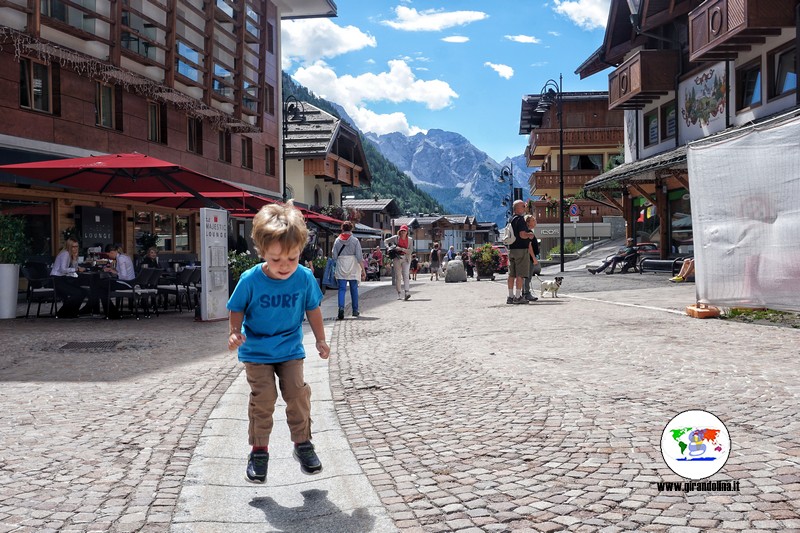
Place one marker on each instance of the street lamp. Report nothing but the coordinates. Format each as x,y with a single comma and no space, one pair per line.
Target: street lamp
293,111
507,173
552,94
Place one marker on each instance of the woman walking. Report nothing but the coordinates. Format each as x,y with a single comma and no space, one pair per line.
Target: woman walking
348,255
401,262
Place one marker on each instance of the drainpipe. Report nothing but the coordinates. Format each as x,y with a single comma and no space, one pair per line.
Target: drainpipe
728,93
797,47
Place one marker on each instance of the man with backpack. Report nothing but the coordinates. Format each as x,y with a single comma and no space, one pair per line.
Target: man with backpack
518,261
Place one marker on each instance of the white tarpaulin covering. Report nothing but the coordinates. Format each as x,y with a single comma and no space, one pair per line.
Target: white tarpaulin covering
745,196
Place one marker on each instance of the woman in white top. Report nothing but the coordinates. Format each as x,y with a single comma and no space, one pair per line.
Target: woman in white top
65,268
66,262
347,253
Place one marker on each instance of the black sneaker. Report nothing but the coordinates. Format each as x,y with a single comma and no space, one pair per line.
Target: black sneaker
519,300
593,271
356,313
307,457
340,316
510,300
530,297
257,467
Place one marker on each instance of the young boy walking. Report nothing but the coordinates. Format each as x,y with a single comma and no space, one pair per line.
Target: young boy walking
266,325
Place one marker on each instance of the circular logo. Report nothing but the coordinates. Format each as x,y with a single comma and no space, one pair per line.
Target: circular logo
695,444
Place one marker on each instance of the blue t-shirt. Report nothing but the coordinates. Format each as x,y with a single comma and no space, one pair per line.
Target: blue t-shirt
273,314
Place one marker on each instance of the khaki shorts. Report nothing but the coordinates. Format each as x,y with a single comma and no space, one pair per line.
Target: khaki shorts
518,263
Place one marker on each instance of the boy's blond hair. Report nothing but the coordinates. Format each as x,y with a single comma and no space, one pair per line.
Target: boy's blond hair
279,223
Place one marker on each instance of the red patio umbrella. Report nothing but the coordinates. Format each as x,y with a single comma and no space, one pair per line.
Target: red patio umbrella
239,201
124,173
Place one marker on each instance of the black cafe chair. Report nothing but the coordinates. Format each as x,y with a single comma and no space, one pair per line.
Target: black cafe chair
41,288
140,291
180,288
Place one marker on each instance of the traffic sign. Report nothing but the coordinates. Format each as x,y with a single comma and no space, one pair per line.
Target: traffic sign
574,210
574,219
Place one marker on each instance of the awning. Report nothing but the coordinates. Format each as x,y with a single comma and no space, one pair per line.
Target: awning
643,171
124,173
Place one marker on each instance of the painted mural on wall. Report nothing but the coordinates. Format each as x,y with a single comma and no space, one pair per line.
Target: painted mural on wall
702,102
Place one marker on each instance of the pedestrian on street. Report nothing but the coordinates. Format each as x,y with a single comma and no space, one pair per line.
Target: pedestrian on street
518,255
466,258
266,325
348,256
435,261
401,262
533,266
414,267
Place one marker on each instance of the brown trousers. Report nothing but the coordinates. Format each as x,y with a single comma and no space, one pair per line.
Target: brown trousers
263,395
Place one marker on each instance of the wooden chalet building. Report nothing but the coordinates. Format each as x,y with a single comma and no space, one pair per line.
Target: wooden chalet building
592,137
323,155
683,71
376,213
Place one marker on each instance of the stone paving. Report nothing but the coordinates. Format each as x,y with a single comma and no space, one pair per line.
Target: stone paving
98,439
468,414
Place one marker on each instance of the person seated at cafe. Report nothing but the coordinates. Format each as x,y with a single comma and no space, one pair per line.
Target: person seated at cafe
123,267
66,268
150,259
122,270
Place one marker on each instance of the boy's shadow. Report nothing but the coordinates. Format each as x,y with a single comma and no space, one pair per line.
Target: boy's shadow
317,513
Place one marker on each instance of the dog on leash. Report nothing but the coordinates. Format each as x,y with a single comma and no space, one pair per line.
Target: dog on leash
550,285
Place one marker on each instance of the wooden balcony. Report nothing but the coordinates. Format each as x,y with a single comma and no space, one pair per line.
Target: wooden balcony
542,142
721,29
543,181
642,78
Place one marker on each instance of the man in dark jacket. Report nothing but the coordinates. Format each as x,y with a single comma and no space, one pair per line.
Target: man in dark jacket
518,255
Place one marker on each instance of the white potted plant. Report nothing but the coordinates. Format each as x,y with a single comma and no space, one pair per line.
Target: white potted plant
13,246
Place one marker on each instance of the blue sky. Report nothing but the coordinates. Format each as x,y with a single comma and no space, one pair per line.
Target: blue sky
461,66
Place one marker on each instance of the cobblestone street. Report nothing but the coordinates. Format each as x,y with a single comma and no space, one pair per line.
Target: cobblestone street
468,414
465,414
98,439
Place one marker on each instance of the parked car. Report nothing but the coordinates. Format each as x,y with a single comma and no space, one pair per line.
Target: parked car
501,247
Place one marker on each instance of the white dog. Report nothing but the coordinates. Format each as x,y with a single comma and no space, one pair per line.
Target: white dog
551,285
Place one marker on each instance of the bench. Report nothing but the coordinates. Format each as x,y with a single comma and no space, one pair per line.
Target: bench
653,264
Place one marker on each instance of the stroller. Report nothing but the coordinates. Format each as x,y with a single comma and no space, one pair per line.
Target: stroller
373,271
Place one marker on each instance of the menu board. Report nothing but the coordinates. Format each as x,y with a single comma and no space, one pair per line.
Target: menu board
214,263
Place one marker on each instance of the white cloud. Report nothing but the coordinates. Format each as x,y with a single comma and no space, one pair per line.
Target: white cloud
587,14
455,39
398,85
528,39
409,19
308,40
554,33
503,70
539,64
369,121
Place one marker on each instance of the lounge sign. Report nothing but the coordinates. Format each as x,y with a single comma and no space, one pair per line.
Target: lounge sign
214,263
